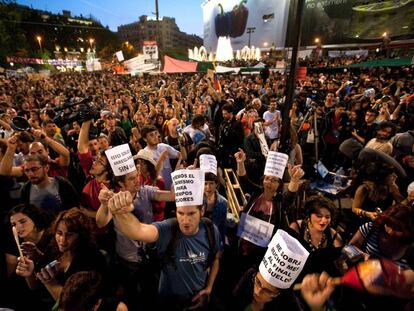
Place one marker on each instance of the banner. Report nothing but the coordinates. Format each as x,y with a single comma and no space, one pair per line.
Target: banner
54,62
208,163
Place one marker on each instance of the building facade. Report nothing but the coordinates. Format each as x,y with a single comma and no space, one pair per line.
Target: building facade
165,32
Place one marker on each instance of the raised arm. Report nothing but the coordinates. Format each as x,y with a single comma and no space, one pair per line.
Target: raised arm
6,164
120,205
83,141
103,214
59,148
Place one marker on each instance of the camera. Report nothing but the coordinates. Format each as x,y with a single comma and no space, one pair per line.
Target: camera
83,110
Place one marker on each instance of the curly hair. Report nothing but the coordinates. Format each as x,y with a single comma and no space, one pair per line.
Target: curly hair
78,222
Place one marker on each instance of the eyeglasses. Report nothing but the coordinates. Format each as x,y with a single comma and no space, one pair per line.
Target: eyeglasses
33,169
264,290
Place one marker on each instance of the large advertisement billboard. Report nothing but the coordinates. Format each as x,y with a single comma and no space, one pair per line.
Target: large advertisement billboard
262,23
346,21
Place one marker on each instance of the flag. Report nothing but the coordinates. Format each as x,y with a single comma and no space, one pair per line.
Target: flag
378,277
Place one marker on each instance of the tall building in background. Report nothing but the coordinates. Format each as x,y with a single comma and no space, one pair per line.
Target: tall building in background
167,34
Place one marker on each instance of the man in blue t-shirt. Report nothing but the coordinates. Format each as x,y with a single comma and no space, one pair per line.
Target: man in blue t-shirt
187,280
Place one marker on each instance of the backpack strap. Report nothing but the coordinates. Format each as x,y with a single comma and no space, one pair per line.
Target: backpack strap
169,255
211,241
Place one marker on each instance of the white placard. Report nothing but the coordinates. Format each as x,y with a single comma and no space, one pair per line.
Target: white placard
283,261
120,158
208,163
258,129
255,230
188,187
119,56
276,164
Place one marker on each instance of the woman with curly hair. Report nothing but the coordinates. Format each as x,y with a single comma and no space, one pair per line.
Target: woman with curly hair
74,250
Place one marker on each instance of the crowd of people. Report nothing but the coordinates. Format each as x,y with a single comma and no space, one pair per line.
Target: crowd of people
93,240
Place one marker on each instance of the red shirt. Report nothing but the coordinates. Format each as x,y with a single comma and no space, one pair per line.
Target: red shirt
157,206
90,194
86,160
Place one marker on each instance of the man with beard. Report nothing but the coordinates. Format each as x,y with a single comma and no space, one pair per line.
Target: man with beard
386,130
52,194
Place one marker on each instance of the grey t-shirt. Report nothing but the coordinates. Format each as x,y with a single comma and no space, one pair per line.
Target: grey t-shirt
128,249
189,275
47,198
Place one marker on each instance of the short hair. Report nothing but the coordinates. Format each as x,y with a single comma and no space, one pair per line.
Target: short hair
25,137
42,159
46,122
383,125
81,291
314,203
211,177
228,107
198,119
146,129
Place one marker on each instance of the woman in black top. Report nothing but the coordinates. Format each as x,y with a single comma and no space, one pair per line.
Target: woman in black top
74,250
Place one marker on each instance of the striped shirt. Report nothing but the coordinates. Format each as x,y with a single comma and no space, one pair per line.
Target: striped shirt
371,236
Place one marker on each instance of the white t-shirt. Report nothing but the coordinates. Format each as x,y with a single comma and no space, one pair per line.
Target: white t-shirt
272,130
166,167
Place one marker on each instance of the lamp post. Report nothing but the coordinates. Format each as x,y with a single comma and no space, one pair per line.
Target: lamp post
39,40
250,30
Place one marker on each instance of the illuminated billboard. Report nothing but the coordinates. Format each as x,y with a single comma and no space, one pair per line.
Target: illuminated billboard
344,21
262,23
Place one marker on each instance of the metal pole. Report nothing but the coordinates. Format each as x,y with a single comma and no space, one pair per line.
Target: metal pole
291,79
250,30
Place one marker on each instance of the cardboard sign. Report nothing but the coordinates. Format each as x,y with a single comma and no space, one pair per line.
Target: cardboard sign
119,56
121,161
276,164
283,261
208,163
255,230
188,187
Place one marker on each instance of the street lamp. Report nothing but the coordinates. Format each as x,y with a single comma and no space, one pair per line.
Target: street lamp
91,41
250,30
317,40
39,39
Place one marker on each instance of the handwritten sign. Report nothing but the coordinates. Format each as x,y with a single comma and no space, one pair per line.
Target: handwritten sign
255,230
276,164
208,163
283,261
120,158
188,187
